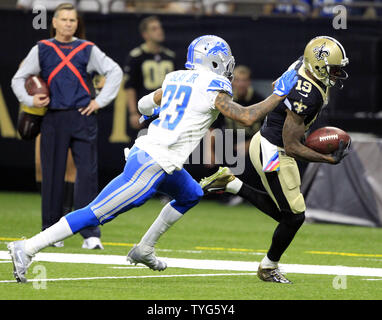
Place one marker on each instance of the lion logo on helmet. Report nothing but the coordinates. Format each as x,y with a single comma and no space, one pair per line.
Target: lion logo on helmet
219,47
320,52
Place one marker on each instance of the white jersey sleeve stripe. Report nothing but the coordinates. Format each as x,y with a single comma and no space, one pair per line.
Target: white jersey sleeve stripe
220,85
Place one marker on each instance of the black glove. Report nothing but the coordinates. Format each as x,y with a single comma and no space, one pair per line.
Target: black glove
341,152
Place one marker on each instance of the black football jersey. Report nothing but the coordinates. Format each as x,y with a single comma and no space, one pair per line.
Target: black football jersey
306,99
146,71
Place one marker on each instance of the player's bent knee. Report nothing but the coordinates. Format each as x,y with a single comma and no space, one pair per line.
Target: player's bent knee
295,220
196,195
198,192
192,199
299,219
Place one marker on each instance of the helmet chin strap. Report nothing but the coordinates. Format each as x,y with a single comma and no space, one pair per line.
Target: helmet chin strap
339,84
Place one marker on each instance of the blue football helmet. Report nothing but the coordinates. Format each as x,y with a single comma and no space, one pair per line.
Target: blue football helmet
212,53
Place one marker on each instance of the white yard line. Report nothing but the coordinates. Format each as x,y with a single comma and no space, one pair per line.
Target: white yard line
129,267
204,264
138,277
372,279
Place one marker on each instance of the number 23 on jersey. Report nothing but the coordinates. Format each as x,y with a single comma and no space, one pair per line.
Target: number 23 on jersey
179,95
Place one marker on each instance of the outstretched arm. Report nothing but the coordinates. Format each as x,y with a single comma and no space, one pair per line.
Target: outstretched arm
246,115
256,112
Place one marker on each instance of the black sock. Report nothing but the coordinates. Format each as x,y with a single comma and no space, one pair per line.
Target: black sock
260,200
289,223
68,197
284,234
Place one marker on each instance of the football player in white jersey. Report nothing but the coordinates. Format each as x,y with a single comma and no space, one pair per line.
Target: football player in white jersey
187,103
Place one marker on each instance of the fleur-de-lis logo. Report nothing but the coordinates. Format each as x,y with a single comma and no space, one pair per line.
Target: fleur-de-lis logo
299,106
320,52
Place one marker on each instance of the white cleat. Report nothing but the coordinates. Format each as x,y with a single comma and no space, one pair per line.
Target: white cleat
146,255
92,243
20,259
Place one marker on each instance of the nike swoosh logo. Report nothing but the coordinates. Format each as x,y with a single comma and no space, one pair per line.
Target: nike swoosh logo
214,189
19,256
282,82
304,95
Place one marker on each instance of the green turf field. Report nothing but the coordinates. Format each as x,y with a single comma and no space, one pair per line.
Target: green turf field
210,231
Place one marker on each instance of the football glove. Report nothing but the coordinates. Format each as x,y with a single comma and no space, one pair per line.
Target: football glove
285,83
341,152
155,113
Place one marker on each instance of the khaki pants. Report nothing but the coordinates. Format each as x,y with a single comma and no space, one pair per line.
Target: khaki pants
283,186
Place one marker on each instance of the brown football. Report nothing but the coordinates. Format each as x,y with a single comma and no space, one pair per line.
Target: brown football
35,85
326,140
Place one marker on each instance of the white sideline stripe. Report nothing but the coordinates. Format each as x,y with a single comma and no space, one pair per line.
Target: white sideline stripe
138,277
372,279
205,264
128,267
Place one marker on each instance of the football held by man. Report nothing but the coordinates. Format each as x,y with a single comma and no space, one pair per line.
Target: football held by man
189,101
275,148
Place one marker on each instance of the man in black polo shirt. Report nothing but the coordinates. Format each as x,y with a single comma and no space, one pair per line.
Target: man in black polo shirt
146,67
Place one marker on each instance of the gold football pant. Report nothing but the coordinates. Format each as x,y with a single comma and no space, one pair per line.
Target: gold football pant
283,186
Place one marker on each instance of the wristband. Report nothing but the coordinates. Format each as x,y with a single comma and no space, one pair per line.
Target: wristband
146,104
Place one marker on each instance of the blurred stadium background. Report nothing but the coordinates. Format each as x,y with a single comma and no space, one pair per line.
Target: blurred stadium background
264,35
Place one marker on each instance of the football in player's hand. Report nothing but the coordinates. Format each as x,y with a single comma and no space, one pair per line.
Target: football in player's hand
326,140
35,85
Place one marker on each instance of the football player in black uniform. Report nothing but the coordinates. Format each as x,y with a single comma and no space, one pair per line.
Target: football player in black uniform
146,67
276,147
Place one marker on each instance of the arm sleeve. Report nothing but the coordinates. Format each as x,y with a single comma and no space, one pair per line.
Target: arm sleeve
102,64
146,104
30,66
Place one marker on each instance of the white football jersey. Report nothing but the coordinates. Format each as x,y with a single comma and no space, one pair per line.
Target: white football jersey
187,111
